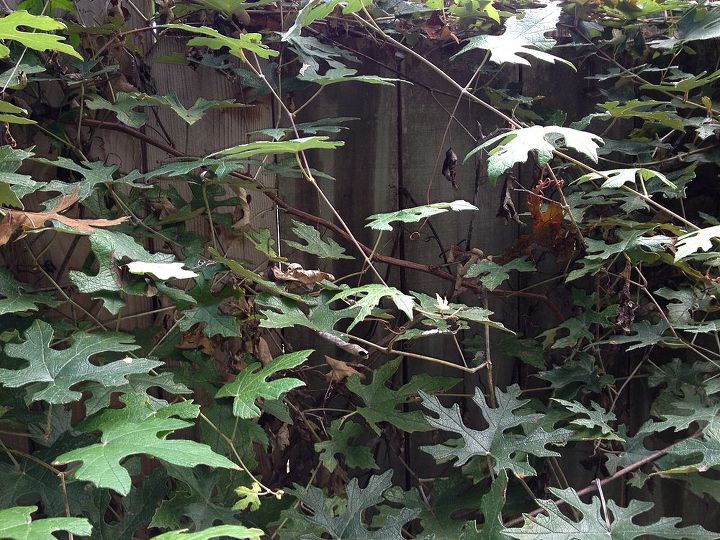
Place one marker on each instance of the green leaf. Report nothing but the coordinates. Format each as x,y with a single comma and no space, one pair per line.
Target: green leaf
528,351
440,312
220,531
251,383
269,148
617,524
492,275
695,241
15,186
206,313
53,372
314,10
382,403
682,84
523,36
281,312
264,242
597,417
381,222
125,105
646,335
94,174
198,497
369,297
696,24
698,455
357,456
138,383
619,177
249,497
492,441
579,371
491,505
19,297
239,270
230,7
323,125
9,112
315,245
343,75
138,429
38,41
250,42
346,524
137,509
17,524
124,108
647,110
514,147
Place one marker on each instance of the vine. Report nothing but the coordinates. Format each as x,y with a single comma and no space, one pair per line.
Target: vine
152,381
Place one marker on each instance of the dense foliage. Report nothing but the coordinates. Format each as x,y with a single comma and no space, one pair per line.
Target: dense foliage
150,383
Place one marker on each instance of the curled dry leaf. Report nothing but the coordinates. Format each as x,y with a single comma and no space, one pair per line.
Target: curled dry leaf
196,339
164,207
626,312
507,206
296,273
339,370
437,29
242,211
449,169
17,221
262,351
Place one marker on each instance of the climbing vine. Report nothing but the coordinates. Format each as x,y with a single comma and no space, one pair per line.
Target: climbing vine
155,383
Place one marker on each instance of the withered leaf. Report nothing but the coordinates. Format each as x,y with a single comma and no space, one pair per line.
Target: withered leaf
507,206
340,370
18,221
626,311
436,28
449,169
296,273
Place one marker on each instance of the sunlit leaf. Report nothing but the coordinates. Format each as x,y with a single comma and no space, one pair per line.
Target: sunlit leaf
250,42
512,148
522,36
382,222
508,451
40,41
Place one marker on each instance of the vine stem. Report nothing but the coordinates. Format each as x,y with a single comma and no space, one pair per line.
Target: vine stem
390,350
619,474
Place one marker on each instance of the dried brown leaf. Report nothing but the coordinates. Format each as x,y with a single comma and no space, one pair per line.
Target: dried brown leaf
17,221
297,273
339,370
